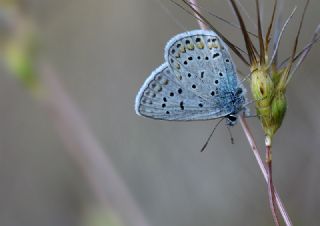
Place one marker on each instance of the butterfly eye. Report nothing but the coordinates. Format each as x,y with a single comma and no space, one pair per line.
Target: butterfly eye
232,118
239,91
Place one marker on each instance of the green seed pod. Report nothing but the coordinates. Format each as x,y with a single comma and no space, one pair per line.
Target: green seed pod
271,103
262,89
278,111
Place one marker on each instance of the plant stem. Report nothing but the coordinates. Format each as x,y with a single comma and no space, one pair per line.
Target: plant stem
270,185
253,146
84,149
107,187
255,151
201,24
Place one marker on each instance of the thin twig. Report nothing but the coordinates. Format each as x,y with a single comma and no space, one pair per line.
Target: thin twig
271,186
200,22
256,153
222,19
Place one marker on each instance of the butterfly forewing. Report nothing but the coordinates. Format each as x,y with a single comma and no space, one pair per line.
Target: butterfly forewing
202,63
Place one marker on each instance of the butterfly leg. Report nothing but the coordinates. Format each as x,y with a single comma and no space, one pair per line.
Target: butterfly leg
230,134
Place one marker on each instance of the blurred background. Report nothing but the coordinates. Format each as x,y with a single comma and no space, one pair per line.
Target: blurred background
101,52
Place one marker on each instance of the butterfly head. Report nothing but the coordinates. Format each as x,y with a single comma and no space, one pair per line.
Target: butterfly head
231,119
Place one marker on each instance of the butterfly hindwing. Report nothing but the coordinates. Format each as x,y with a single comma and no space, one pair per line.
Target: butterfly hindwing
163,97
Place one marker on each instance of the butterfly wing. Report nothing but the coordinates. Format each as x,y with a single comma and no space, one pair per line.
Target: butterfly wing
202,64
197,82
163,97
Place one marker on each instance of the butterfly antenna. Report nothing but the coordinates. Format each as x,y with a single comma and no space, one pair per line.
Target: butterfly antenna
209,138
230,134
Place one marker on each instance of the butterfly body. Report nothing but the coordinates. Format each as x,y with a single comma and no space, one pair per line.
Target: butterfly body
198,81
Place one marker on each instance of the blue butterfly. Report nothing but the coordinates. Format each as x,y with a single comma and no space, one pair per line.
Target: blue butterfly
198,81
